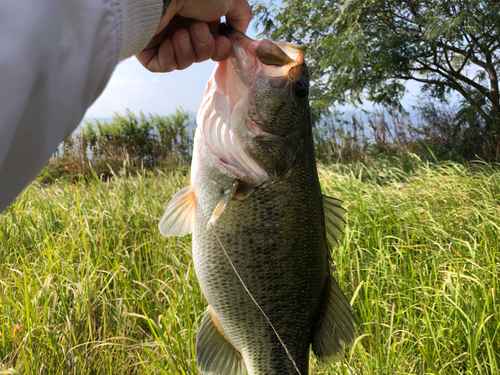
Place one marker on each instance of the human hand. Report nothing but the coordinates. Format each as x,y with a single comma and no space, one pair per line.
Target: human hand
189,32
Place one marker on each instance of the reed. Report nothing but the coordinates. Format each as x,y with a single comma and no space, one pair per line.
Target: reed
127,142
89,286
131,143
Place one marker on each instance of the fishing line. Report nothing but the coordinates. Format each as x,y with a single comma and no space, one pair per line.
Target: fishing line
344,360
254,301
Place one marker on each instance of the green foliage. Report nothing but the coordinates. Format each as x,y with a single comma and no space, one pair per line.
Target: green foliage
127,142
88,285
421,259
434,134
372,46
146,140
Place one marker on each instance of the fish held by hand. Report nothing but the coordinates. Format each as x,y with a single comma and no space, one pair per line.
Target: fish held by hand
262,230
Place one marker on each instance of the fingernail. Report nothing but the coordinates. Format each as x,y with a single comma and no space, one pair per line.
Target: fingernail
184,42
223,50
201,33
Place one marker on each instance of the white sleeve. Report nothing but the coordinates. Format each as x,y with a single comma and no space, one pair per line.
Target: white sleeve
56,57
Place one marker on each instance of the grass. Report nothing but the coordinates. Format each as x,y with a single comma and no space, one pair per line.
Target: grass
88,285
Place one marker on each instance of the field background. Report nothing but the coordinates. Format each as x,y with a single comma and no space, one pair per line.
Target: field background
89,286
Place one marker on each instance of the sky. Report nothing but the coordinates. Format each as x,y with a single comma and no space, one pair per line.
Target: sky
134,87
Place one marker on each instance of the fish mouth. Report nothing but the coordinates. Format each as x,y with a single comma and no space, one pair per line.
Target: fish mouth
243,58
269,53
228,119
226,30
279,63
231,33
247,58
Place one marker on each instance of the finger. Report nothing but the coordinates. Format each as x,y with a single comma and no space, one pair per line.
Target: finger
222,48
240,15
214,26
145,57
157,39
202,41
159,54
184,52
165,60
159,59
166,19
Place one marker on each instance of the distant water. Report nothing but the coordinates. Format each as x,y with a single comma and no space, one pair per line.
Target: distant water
411,114
93,120
341,116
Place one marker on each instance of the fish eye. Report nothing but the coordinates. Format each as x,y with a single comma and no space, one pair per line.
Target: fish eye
301,89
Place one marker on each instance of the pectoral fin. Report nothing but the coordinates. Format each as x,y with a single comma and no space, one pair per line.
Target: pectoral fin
333,219
221,207
214,353
179,217
335,327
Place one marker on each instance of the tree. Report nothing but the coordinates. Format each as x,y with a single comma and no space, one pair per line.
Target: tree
369,48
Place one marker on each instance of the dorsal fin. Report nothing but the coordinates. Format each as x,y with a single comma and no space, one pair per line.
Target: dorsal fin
179,217
334,222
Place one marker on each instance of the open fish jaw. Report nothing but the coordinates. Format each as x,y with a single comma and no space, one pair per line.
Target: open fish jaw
223,126
226,119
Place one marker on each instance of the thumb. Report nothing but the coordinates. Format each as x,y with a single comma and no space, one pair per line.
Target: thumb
239,15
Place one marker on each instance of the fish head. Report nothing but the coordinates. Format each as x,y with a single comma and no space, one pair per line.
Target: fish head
261,94
276,80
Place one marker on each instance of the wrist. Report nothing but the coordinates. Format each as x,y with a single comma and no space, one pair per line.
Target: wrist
166,3
170,9
138,19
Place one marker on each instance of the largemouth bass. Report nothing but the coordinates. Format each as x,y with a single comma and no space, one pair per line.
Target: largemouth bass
262,230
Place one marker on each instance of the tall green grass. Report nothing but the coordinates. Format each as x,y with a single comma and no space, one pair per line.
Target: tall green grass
88,285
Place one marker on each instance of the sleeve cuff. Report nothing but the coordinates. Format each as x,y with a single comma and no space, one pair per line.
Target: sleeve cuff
139,21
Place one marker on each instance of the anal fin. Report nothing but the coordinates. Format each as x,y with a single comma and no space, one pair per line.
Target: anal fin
335,327
214,353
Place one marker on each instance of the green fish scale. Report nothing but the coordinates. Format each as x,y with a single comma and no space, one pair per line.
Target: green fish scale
276,241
